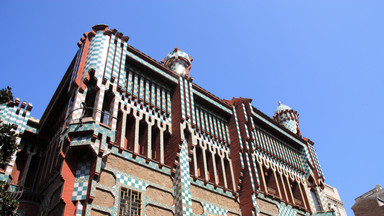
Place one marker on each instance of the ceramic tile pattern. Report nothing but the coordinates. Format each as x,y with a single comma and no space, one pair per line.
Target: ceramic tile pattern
149,96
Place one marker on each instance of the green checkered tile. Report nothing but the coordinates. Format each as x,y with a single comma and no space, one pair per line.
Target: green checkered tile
287,210
237,127
79,209
80,190
183,197
250,172
132,182
245,113
212,209
181,81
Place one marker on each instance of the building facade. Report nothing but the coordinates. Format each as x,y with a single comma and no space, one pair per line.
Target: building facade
370,203
333,200
125,134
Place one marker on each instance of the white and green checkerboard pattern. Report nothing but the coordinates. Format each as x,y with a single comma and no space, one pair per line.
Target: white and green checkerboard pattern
183,197
182,97
192,104
291,125
188,109
132,182
80,189
212,209
284,152
81,181
123,71
14,115
111,52
128,181
250,172
286,210
97,54
79,208
255,169
254,201
316,161
306,157
116,63
96,58
323,199
237,127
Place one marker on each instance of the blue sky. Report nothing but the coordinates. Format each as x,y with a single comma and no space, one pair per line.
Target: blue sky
322,58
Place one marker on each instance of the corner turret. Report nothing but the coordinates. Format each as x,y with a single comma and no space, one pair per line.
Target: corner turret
287,117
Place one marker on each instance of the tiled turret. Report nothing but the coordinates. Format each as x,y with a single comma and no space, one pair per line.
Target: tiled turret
287,117
178,61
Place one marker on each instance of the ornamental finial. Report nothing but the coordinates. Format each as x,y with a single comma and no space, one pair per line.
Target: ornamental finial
178,61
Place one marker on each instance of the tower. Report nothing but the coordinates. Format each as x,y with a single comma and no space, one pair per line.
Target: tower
287,117
178,61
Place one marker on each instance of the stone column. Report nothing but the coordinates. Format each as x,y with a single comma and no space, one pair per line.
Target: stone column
138,117
150,122
123,128
162,128
223,170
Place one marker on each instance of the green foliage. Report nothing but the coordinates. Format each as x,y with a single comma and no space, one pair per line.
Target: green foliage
6,95
8,205
8,144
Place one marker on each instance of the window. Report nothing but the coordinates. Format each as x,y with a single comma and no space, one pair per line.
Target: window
130,202
107,111
316,200
90,98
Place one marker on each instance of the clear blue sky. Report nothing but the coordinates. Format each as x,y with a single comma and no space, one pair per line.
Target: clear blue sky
324,58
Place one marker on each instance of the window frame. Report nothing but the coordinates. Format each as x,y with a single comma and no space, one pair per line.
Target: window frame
129,212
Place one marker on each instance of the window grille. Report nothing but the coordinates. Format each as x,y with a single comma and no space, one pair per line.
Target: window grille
130,202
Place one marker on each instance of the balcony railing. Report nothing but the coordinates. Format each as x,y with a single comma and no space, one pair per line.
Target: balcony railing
106,117
25,194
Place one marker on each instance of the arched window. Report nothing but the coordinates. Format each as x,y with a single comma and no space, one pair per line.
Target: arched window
90,98
119,127
210,171
107,110
155,145
271,182
200,162
316,200
297,196
130,132
228,174
314,194
143,138
219,169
